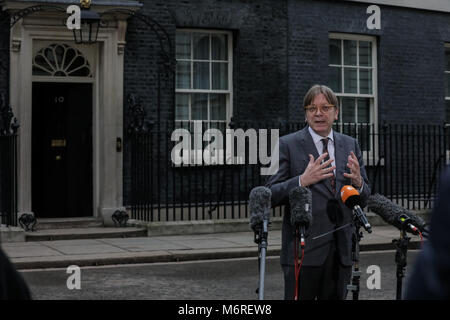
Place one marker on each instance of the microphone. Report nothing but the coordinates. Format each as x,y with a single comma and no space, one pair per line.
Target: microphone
300,199
383,207
260,204
406,220
351,198
396,216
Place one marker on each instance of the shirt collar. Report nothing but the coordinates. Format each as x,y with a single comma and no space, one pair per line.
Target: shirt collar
317,138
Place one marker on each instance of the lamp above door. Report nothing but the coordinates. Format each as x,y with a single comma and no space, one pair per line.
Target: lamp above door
90,23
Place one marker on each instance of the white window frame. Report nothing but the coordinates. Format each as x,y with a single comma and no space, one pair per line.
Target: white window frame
447,98
368,156
229,92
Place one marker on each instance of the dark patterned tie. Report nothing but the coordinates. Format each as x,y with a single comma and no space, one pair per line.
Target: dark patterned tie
333,178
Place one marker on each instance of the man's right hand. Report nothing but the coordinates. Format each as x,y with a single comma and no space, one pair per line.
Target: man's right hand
316,171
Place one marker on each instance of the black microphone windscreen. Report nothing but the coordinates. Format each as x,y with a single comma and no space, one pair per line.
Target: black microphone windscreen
390,212
259,204
300,199
385,208
393,214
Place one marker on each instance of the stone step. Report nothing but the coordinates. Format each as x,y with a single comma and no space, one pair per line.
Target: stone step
84,233
160,228
67,223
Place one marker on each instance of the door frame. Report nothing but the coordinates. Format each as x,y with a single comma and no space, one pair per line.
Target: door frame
107,106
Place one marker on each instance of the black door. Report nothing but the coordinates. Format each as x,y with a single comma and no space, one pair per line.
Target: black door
62,150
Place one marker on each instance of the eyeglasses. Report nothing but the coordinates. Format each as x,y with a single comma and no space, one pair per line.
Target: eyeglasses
324,109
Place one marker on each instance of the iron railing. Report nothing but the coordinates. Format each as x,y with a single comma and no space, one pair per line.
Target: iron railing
8,164
8,180
403,162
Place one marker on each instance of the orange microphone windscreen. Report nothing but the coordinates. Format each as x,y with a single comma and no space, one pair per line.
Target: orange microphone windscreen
347,192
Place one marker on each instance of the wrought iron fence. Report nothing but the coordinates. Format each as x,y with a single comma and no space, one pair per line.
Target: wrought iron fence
8,165
403,162
8,178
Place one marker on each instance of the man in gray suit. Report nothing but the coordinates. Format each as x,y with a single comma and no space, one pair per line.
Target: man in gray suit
323,160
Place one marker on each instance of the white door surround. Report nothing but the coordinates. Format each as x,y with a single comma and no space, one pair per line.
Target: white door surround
106,59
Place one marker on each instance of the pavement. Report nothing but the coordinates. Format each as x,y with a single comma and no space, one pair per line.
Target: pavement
169,248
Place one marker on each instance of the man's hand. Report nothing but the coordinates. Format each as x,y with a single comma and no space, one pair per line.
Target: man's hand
316,171
355,172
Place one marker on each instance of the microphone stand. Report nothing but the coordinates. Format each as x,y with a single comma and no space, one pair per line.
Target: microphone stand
261,240
356,274
299,248
401,245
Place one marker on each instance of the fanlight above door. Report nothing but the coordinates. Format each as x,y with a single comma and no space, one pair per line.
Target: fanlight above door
61,60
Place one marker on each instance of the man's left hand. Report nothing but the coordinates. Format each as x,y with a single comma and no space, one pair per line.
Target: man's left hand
355,172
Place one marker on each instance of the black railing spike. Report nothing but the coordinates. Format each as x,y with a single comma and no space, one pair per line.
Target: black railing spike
8,123
8,164
139,122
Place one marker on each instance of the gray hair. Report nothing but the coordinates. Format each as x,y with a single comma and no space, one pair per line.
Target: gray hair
318,89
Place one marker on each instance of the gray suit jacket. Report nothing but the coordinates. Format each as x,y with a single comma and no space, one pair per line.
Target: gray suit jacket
294,149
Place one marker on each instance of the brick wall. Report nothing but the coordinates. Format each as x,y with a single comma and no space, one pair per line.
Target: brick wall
410,55
281,50
259,58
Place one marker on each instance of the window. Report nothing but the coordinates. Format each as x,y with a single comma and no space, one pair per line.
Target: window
447,84
60,60
352,76
352,70
447,99
203,79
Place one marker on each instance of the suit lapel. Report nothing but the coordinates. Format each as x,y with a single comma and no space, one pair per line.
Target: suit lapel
308,143
340,160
